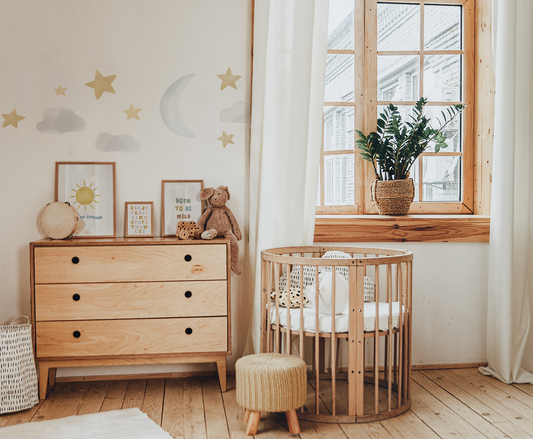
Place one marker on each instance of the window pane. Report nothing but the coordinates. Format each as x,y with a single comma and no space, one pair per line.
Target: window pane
340,24
339,179
338,128
442,178
398,78
442,27
339,78
452,131
442,78
398,26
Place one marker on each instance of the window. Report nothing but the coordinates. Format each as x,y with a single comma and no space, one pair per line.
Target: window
396,51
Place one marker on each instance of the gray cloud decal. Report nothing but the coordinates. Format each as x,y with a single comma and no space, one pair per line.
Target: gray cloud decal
239,112
122,142
59,121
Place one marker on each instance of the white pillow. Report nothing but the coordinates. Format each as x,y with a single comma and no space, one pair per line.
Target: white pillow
325,305
369,288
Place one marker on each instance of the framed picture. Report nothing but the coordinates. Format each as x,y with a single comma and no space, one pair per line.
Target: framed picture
90,188
139,219
180,201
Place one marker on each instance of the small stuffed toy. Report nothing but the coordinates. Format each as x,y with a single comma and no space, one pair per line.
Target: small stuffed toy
218,220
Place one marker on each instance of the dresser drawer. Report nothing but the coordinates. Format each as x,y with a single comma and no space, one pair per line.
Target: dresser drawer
130,300
129,263
131,337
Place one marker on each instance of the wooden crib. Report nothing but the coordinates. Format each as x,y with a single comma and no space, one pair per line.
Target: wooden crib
364,374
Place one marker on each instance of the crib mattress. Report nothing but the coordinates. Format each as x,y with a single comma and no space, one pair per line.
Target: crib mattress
341,320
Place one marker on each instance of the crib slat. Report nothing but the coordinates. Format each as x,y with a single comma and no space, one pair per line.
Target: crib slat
400,326
333,344
409,325
317,346
389,337
278,337
265,313
395,297
376,340
360,340
352,347
269,312
288,341
302,316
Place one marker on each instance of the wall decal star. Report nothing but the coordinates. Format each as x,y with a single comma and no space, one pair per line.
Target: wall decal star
101,83
226,138
132,112
60,90
228,78
12,119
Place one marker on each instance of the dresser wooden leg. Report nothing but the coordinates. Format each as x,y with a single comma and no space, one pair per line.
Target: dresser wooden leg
253,423
292,420
43,380
221,367
52,376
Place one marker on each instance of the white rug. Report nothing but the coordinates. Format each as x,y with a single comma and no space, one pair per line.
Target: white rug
116,424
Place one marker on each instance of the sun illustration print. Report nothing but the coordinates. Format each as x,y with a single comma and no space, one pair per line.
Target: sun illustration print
85,195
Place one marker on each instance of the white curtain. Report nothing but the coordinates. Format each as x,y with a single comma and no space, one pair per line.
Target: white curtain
511,237
289,63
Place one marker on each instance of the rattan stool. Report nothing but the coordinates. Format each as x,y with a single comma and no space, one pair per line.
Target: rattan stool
271,383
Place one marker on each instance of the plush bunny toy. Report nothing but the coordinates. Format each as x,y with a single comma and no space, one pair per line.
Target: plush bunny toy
218,220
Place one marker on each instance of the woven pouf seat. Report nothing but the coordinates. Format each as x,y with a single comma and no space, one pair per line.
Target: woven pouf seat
271,383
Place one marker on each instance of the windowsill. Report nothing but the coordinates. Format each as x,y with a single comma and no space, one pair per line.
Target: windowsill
409,228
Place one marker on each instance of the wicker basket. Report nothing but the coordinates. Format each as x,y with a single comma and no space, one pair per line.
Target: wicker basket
393,197
18,377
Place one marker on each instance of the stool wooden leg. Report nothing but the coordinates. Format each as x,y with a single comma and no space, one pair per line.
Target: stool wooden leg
292,420
253,423
246,415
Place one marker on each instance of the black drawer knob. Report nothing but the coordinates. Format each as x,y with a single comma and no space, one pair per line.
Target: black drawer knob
75,260
76,297
76,334
188,258
188,294
188,331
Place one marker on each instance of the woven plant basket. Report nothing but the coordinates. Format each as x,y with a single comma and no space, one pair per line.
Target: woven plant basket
393,197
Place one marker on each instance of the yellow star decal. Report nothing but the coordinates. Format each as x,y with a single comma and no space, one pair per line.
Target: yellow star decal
12,119
226,138
101,83
60,90
132,112
228,78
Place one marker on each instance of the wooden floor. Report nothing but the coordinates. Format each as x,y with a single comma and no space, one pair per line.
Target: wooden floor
459,403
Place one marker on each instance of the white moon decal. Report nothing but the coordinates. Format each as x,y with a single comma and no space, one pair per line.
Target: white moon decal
169,107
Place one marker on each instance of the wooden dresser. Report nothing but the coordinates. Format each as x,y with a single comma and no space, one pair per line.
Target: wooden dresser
126,301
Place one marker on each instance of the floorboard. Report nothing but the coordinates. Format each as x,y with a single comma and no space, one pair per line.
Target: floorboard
446,404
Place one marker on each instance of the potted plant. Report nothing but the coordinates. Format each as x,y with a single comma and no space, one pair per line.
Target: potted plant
393,149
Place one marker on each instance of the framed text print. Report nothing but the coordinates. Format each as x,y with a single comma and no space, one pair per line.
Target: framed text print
180,201
90,188
139,219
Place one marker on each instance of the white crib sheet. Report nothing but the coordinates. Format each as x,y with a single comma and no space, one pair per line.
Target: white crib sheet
341,320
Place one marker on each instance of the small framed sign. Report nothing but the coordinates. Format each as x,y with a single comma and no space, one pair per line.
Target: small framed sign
139,219
180,201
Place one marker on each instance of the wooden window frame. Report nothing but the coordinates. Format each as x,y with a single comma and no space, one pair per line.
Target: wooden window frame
439,221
